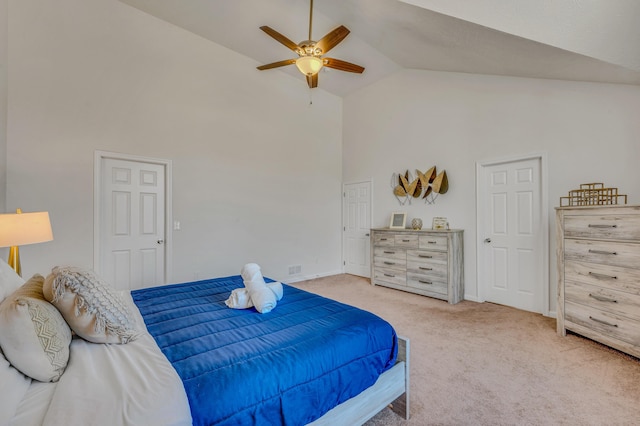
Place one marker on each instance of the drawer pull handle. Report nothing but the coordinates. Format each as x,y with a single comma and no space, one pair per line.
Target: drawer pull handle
383,239
425,282
389,275
406,241
602,252
426,269
602,226
602,322
432,242
389,263
425,256
595,274
389,252
602,298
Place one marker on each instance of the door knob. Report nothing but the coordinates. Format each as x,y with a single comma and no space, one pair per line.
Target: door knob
487,240
160,241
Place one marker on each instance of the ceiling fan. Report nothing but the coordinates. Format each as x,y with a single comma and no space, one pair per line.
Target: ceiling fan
310,60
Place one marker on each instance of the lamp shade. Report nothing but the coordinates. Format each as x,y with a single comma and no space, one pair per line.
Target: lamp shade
19,229
309,65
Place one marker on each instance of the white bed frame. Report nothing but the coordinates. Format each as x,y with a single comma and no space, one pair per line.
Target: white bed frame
391,389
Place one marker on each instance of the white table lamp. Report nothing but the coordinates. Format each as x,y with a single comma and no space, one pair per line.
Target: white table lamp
19,229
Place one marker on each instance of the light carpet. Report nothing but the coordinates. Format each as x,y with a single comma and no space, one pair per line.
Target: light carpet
487,364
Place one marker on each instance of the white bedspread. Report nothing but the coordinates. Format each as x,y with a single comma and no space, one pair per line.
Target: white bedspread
110,385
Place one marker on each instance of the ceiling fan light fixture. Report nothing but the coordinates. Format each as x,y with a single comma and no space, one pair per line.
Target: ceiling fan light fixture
311,53
309,65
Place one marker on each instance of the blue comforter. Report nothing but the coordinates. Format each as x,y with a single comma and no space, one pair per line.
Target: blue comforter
287,367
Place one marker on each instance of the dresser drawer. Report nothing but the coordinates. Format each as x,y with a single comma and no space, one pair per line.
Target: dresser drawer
391,276
603,252
427,283
605,276
406,241
390,253
389,263
383,239
621,227
604,299
432,242
604,323
425,256
434,270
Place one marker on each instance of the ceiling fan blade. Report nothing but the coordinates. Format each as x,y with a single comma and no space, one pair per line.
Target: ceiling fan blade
342,65
330,41
277,64
279,37
312,81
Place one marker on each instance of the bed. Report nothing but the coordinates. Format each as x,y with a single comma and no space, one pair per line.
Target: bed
274,368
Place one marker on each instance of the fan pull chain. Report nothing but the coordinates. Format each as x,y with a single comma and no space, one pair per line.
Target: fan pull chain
310,17
310,97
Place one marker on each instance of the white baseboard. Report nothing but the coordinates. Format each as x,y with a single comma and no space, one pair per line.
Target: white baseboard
298,278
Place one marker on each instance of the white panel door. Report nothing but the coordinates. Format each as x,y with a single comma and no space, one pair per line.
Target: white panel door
357,227
511,252
132,223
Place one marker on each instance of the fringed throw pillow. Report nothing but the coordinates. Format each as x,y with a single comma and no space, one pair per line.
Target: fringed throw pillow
93,309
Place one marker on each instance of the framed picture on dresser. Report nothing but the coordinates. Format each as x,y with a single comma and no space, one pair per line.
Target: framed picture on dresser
440,223
398,220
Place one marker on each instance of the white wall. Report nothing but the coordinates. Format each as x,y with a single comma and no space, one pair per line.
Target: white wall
417,119
3,106
250,181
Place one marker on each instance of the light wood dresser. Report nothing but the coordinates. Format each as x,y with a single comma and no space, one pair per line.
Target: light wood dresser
426,262
599,274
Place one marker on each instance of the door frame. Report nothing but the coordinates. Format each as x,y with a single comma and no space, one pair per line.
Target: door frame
343,232
544,222
168,203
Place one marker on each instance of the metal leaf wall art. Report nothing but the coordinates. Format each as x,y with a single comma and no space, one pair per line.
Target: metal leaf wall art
426,186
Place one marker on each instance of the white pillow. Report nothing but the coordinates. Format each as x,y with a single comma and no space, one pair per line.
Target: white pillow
9,280
34,337
93,309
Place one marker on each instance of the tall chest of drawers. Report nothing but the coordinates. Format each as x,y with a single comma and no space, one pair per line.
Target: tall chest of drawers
426,262
599,274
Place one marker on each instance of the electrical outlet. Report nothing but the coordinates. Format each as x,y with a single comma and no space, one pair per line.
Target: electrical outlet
295,269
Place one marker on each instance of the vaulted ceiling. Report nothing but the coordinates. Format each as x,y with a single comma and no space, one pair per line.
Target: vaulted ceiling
580,40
